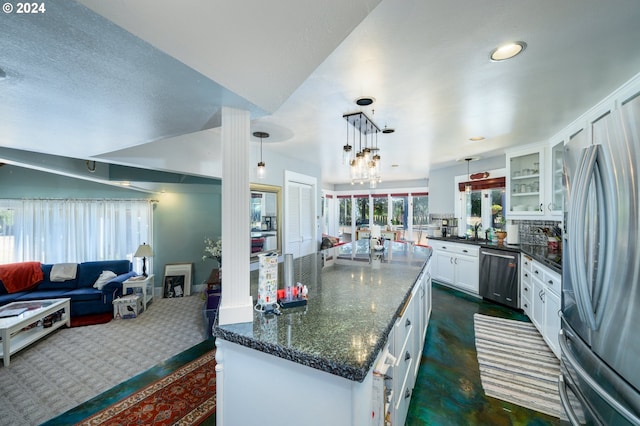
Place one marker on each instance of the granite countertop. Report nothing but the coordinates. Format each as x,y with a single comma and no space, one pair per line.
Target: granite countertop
352,307
552,259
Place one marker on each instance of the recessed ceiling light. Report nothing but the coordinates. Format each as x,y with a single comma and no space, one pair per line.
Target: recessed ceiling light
476,138
395,165
365,100
507,51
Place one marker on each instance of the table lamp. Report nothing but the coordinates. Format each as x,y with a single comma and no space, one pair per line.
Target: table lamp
144,251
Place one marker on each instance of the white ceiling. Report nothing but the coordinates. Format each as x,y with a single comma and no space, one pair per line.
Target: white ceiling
79,86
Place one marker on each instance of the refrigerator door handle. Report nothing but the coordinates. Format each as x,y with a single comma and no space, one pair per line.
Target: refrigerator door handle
592,169
563,336
578,202
564,399
607,209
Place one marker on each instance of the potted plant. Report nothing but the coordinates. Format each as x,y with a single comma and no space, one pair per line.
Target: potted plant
501,234
213,250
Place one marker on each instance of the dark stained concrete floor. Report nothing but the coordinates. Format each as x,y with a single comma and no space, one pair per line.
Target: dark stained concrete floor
448,390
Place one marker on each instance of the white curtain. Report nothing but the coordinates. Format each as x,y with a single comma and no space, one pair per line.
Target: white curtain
78,230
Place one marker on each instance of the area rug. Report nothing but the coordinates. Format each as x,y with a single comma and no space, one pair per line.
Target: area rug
516,365
185,397
74,365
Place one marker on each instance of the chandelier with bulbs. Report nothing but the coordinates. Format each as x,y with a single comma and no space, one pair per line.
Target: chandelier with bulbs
364,161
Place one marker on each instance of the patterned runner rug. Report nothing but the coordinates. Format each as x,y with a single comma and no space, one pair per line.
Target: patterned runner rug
516,365
185,397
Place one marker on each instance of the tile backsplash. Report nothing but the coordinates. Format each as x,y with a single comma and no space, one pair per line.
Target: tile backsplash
529,231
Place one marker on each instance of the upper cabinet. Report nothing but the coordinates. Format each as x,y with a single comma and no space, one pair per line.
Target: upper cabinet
525,183
595,126
535,184
555,189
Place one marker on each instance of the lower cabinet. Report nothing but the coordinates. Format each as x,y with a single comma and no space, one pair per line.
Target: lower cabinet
404,348
540,289
526,289
457,264
538,311
552,321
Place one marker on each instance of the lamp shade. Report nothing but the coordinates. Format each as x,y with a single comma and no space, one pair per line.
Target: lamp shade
144,250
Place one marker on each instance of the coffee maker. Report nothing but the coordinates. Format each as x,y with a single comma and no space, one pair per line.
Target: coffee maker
449,227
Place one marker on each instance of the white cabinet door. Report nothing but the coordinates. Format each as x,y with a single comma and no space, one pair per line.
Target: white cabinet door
538,303
545,288
467,273
525,183
444,270
552,321
555,190
457,264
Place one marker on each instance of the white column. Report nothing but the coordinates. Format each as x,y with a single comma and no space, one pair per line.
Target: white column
236,304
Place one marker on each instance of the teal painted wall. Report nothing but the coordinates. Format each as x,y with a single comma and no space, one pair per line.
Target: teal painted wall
181,220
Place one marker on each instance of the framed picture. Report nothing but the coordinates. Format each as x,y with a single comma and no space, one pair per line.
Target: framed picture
177,279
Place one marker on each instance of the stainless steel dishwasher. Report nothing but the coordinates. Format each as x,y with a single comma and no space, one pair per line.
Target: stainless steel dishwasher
499,276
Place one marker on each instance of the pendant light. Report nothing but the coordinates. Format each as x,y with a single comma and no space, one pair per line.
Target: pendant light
261,170
346,150
467,186
365,163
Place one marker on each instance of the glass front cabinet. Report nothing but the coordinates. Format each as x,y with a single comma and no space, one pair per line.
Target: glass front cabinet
525,185
555,204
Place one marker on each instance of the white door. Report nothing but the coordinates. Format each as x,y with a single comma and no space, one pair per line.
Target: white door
300,223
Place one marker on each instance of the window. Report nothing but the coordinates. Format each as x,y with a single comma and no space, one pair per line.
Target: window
483,208
344,216
497,197
54,231
327,202
420,217
362,211
380,210
406,212
399,211
473,210
7,239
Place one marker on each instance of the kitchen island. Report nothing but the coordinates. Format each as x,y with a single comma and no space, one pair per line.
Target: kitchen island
315,364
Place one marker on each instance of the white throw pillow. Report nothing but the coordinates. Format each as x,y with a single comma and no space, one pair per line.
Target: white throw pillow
104,278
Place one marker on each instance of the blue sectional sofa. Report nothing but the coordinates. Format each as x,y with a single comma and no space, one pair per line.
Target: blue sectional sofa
85,299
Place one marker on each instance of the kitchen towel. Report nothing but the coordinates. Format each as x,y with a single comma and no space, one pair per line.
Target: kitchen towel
513,236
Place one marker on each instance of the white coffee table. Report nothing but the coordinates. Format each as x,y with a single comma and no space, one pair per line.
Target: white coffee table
145,284
14,330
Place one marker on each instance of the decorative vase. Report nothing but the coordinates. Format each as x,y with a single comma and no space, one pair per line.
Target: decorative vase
501,236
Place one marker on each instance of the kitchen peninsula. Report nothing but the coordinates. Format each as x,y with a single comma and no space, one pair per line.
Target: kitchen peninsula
314,365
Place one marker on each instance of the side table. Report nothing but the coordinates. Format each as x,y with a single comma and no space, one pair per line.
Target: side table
145,284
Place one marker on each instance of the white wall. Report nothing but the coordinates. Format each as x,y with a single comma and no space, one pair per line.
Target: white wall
442,185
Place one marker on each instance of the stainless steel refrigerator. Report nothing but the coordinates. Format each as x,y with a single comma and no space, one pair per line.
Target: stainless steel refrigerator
600,336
